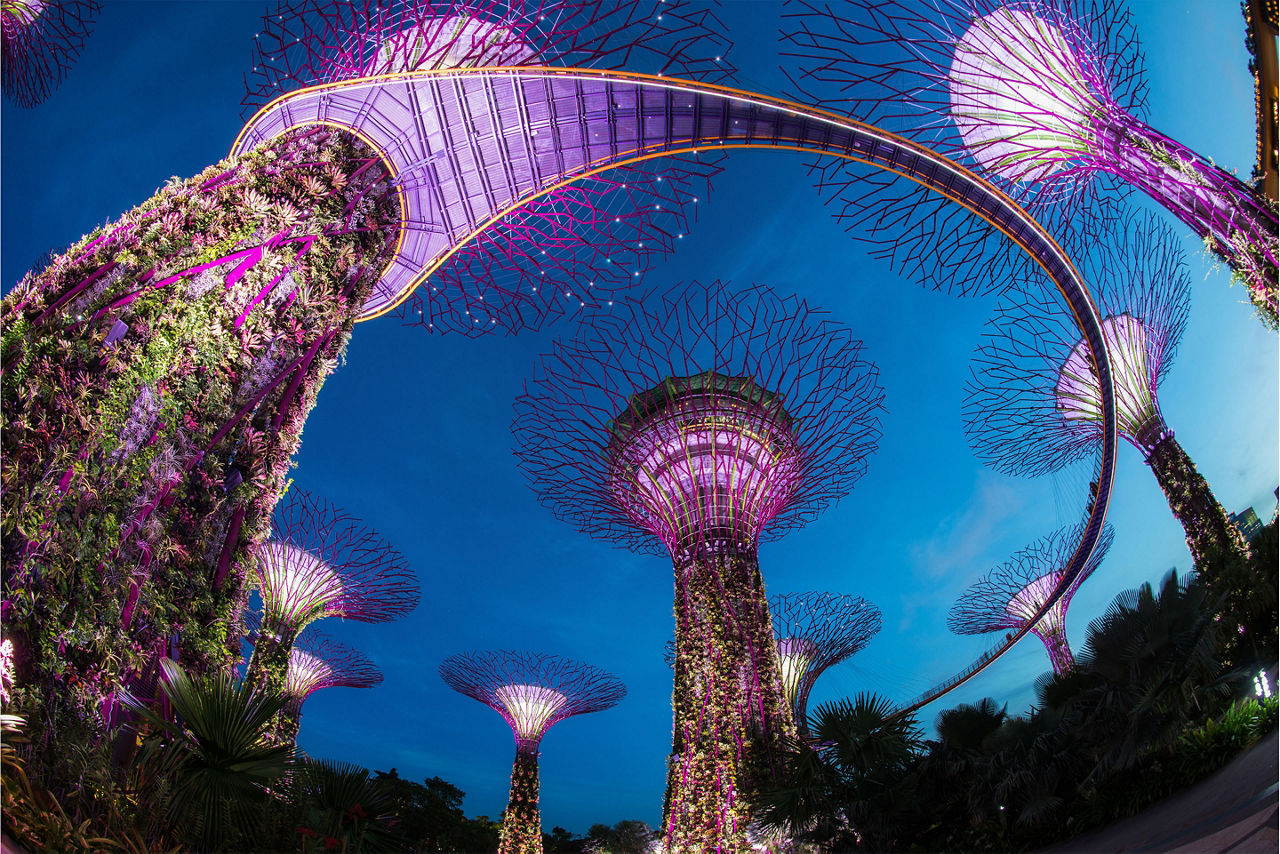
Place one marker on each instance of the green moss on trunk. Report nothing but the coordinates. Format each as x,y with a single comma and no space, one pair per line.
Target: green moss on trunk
1210,534
732,717
156,379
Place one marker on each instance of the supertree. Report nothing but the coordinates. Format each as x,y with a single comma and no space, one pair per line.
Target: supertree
698,424
158,373
532,692
1043,97
1033,404
575,245
41,39
316,662
1012,593
816,631
321,562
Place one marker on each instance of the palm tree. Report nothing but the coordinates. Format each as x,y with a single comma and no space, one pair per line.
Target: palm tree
849,783
214,765
340,802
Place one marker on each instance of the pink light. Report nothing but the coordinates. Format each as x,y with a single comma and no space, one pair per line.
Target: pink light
1079,397
1018,97
529,708
708,456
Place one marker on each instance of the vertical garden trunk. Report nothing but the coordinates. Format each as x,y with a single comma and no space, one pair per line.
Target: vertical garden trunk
522,824
731,711
269,664
1237,222
1210,534
156,377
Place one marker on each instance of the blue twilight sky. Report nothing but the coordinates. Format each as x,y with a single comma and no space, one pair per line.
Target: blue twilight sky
413,433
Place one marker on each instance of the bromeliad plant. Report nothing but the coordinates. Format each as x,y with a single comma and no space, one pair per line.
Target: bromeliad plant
156,378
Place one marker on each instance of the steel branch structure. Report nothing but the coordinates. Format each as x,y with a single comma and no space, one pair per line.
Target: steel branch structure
576,245
322,562
816,631
41,39
1043,97
1033,404
532,692
699,423
1011,594
284,245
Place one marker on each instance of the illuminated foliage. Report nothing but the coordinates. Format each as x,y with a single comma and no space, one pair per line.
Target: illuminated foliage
157,377
726,416
532,692
1045,98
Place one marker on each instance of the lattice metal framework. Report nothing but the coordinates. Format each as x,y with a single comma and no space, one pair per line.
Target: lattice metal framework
41,40
648,117
727,415
816,631
532,692
1033,404
323,562
701,421
1012,594
1044,98
317,661
575,245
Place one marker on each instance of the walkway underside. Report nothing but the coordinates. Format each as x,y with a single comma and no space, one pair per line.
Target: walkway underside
469,146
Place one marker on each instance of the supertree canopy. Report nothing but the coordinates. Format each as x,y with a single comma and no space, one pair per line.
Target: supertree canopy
1012,593
1044,97
322,562
700,423
41,39
576,245
532,692
816,631
158,372
1034,405
316,662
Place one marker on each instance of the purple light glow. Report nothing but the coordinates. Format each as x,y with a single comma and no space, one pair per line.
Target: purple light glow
1033,404
41,39
1137,411
589,239
531,691
817,631
1012,593
686,391
317,662
1045,97
322,562
704,456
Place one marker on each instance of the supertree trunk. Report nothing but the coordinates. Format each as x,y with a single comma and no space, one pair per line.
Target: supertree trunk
1055,641
269,665
1236,221
522,824
731,711
156,378
1210,534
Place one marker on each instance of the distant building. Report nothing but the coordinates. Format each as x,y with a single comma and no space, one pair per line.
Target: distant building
1247,523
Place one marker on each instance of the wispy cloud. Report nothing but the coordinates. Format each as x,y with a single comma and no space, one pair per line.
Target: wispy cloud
961,540
958,549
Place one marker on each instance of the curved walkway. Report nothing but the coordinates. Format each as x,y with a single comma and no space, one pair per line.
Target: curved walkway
1234,809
